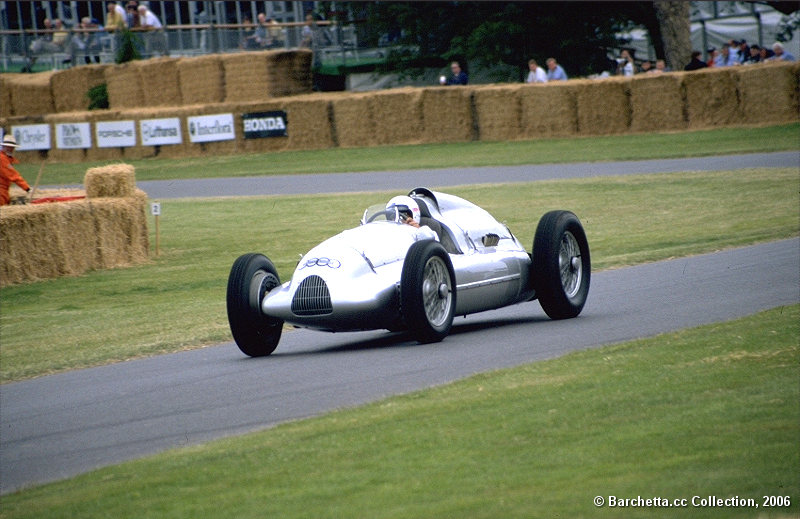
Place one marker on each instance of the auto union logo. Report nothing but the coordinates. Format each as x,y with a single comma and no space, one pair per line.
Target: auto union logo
321,262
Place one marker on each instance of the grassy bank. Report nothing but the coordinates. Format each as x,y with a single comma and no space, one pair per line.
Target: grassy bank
177,301
543,151
710,411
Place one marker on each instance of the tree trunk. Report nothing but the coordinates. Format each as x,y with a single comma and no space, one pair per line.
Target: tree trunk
673,18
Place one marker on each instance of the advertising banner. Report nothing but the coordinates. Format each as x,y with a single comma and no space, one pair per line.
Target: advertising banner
265,124
115,134
207,128
73,136
32,137
157,132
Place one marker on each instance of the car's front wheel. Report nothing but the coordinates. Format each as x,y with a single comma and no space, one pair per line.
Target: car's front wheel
428,291
561,264
252,277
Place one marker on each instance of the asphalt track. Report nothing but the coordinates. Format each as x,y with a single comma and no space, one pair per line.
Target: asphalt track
436,178
62,425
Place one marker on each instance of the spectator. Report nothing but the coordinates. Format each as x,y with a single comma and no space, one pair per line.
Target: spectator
44,43
275,33
696,62
646,67
733,50
307,36
156,40
60,36
258,40
459,77
780,54
555,71
765,54
725,58
7,172
115,17
661,67
625,63
744,52
132,14
755,54
712,57
87,41
536,73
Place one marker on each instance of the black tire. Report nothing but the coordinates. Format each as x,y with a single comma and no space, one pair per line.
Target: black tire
561,264
428,291
251,277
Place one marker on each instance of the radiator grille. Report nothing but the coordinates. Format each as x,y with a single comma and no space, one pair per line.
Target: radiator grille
312,297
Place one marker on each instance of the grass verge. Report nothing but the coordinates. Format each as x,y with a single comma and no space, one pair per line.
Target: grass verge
466,154
710,411
177,301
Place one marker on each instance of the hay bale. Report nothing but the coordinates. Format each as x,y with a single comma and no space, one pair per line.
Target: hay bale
397,115
657,103
114,180
6,106
201,79
603,106
288,72
28,246
121,230
768,92
71,86
124,83
159,80
246,77
711,97
498,111
353,120
447,114
548,110
31,94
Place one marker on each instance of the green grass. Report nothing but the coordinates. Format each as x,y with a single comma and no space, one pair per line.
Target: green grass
467,154
177,301
708,411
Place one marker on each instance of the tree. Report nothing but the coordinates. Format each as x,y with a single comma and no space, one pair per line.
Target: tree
673,19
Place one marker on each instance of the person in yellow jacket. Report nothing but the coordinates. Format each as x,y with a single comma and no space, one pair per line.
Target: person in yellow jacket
7,172
115,17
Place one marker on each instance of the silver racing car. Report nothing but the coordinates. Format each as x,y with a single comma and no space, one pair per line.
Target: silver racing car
413,264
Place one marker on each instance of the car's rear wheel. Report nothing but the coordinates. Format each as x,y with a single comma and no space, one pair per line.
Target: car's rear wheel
427,290
252,277
561,264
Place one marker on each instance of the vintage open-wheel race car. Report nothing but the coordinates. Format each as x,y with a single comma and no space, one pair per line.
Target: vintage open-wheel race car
413,264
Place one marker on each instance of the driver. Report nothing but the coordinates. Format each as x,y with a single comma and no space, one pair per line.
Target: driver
406,211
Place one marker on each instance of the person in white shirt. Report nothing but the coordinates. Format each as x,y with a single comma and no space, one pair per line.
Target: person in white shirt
155,41
536,74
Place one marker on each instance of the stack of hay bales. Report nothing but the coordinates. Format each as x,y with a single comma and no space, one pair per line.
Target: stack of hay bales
125,88
30,93
657,103
548,110
768,92
108,229
711,98
202,79
498,110
397,115
603,106
159,80
447,114
353,120
70,87
119,215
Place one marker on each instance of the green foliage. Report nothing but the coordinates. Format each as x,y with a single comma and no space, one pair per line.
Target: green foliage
705,412
129,45
488,34
98,97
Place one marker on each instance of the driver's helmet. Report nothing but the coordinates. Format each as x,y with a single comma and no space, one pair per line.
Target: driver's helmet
403,207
